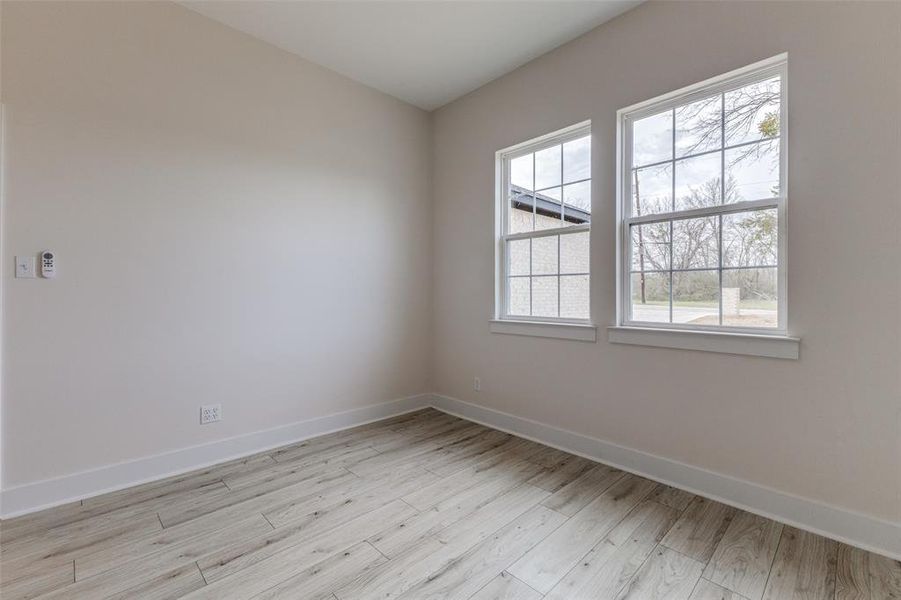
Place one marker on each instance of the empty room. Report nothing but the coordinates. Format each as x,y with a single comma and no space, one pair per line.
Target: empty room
450,300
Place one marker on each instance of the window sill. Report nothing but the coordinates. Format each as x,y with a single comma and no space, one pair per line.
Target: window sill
772,346
563,331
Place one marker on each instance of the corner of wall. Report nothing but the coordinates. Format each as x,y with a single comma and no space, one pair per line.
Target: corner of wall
431,293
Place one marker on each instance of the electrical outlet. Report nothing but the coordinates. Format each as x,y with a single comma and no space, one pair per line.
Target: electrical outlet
210,413
477,384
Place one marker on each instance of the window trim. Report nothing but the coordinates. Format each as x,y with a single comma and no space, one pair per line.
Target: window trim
503,158
770,346
580,332
777,65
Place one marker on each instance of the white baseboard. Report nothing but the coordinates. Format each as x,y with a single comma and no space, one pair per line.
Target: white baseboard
859,530
32,497
856,529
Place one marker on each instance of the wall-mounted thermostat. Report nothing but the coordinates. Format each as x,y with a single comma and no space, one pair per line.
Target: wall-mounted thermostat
48,264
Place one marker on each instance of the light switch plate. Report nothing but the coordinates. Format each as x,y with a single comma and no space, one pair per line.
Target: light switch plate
25,267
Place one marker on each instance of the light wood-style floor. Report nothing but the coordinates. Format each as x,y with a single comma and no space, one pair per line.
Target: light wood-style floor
418,507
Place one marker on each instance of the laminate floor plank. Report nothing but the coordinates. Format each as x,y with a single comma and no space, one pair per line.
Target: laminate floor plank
180,483
122,576
852,574
112,582
38,584
574,496
131,502
288,469
416,452
399,574
707,590
885,577
107,518
491,516
174,584
562,474
435,553
368,435
674,497
550,457
742,559
427,506
440,427
359,516
472,450
393,445
29,568
317,581
264,494
551,560
666,575
12,528
426,497
167,549
389,487
385,441
612,563
61,550
260,575
804,568
508,449
506,587
473,570
452,509
700,529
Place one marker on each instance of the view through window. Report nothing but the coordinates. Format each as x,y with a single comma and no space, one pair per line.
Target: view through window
545,229
703,201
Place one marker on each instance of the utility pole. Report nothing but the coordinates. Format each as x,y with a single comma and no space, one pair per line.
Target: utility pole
640,237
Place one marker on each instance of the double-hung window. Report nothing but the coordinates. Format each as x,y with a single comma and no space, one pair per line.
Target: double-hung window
544,217
702,202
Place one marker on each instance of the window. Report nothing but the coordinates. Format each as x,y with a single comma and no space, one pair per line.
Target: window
544,218
702,201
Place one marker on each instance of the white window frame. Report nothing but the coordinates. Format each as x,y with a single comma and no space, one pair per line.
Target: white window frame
503,159
778,65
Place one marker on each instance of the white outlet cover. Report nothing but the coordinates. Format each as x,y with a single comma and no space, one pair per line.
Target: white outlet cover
210,413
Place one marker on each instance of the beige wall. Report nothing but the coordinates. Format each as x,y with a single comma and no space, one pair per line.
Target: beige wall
825,427
237,225
233,224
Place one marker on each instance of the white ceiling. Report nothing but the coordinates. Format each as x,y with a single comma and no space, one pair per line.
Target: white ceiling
426,53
